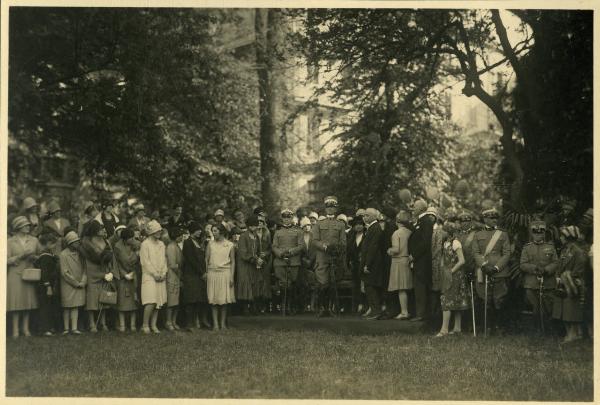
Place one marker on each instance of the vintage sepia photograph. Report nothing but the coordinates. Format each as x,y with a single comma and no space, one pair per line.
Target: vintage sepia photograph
365,202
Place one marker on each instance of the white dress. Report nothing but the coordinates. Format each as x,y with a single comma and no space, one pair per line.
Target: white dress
154,263
219,284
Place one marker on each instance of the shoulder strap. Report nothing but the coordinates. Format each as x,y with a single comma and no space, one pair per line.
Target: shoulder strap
469,239
492,242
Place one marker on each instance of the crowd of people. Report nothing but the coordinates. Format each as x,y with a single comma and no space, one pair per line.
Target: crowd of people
416,264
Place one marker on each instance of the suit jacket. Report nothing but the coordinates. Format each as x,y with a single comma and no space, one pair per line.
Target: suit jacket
419,247
353,252
371,256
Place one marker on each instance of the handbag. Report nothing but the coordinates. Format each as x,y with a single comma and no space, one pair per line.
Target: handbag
108,294
31,274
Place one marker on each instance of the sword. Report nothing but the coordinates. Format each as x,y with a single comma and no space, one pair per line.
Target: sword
336,300
473,310
485,305
541,279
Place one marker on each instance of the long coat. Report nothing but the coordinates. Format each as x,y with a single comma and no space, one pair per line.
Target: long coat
246,269
21,295
419,247
371,256
194,267
126,261
72,271
175,262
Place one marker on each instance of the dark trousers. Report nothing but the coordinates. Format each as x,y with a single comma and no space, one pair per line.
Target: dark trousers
48,310
374,298
422,297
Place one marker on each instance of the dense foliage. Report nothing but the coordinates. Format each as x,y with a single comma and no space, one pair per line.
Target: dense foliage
144,97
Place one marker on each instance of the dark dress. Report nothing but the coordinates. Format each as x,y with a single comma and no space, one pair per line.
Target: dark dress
194,266
49,305
126,261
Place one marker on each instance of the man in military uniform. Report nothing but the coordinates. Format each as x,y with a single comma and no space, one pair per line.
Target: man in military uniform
466,235
491,252
329,238
539,263
287,247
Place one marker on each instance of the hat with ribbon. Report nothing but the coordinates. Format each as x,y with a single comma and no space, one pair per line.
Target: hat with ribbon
19,222
71,237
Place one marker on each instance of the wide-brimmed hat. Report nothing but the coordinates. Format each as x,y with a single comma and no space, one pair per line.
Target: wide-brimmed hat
20,222
29,202
71,237
53,207
153,227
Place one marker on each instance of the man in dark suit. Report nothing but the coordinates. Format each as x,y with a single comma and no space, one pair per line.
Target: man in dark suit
419,247
372,262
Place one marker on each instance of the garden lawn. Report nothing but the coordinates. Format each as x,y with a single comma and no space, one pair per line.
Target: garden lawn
263,362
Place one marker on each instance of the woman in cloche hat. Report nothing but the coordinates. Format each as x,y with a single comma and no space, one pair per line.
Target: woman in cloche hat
22,251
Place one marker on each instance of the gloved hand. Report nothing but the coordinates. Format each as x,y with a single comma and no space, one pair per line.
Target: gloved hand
488,269
129,276
108,277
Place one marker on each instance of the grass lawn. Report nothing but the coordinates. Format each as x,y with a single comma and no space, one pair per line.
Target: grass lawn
257,361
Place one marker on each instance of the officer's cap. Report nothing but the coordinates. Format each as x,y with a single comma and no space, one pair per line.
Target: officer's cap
331,201
286,212
490,213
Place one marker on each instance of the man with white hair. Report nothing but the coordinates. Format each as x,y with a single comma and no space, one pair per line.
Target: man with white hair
372,262
419,247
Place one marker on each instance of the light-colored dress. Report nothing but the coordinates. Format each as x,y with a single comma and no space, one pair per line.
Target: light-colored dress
21,295
154,263
72,272
400,273
220,273
174,263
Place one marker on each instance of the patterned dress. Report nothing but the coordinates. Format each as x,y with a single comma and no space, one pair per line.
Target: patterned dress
455,295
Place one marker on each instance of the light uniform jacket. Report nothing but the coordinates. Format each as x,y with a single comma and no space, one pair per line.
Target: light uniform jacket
328,232
498,256
536,255
290,238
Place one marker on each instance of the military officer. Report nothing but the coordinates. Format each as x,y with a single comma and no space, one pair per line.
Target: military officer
491,252
329,238
539,263
287,247
466,235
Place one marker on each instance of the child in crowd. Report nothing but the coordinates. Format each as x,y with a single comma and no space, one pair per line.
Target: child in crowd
72,282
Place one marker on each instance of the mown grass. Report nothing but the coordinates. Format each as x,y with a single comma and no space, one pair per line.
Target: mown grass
265,363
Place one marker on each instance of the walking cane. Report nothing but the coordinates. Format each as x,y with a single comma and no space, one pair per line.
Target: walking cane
287,269
473,310
336,300
541,309
485,305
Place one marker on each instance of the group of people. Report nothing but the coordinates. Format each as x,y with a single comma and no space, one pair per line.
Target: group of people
412,264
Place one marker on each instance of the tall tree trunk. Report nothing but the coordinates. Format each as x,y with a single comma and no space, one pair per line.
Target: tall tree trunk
266,26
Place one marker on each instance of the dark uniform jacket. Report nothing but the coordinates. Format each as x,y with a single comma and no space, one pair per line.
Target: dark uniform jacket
371,256
539,255
288,239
